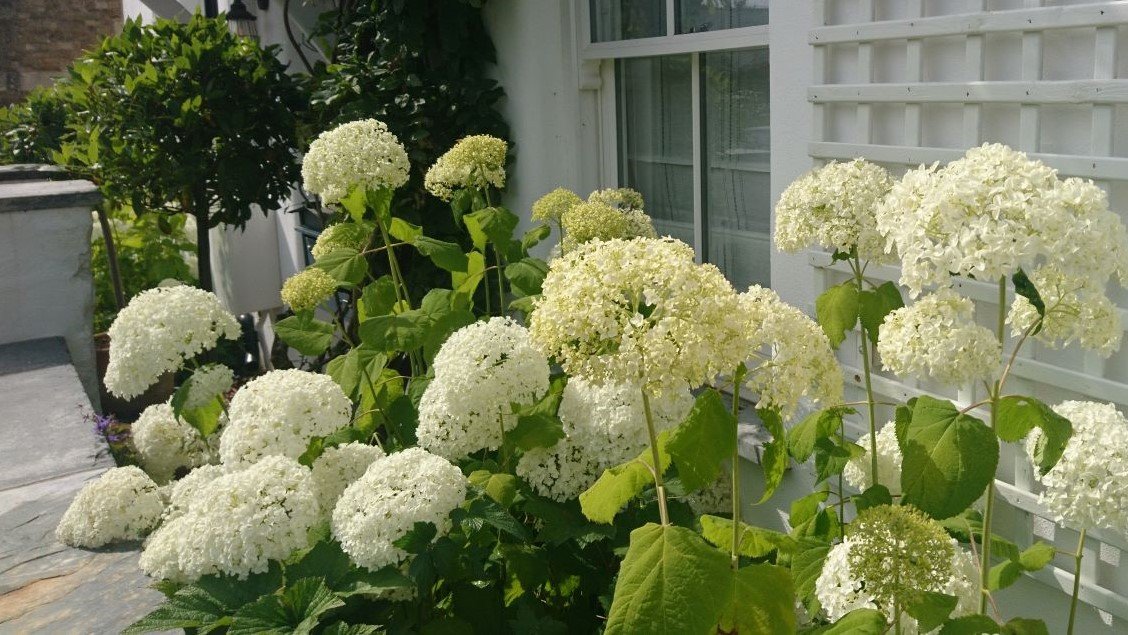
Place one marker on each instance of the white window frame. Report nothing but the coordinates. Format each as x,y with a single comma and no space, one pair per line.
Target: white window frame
605,55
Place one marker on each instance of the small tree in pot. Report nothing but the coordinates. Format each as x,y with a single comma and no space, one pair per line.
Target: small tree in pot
185,118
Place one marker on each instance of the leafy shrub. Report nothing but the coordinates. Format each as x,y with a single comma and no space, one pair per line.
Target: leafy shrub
32,131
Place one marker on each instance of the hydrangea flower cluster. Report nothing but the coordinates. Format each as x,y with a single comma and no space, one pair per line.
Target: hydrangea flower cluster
586,222
158,330
384,504
994,212
121,504
552,206
796,360
833,207
356,154
338,467
308,288
641,310
279,412
604,426
166,443
621,198
180,493
477,161
1088,488
237,523
937,337
858,472
1075,311
479,371
340,236
207,383
891,553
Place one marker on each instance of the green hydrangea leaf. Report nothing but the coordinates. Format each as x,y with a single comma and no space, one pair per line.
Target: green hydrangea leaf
305,334
949,458
526,276
298,609
344,264
931,609
1018,415
762,600
856,622
817,425
755,542
618,485
701,443
875,304
671,581
837,311
446,256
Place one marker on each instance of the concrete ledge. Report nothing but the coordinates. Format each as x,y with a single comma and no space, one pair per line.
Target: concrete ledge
29,196
32,172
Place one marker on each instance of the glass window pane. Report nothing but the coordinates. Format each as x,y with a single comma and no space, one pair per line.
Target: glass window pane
627,19
697,16
656,139
737,153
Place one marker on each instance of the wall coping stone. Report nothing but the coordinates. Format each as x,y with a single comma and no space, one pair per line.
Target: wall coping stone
27,196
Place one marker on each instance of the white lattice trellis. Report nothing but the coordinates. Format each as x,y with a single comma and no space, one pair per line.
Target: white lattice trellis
998,92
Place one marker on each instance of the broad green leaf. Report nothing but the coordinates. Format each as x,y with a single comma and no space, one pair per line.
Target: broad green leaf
806,566
1018,415
403,332
618,485
561,522
500,487
808,520
355,203
439,329
465,283
1037,556
379,200
873,497
703,441
755,542
483,511
671,581
344,264
341,628
404,231
774,457
358,367
378,298
1023,626
1010,570
971,625
324,560
762,601
817,425
493,223
831,457
837,311
446,256
949,458
305,334
538,426
856,622
526,276
362,582
534,236
297,610
875,304
1024,287
931,609
191,607
205,418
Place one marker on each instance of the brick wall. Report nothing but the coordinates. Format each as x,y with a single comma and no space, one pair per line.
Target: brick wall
39,38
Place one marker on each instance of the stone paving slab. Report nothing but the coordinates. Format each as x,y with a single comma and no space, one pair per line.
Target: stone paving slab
47,452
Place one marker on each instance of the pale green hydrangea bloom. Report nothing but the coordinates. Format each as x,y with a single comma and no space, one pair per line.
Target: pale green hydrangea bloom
477,161
340,236
361,154
552,206
621,198
308,288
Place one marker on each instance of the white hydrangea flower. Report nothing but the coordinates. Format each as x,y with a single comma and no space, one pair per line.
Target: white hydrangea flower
793,357
1088,488
833,207
338,467
477,161
396,492
937,337
346,235
237,523
479,371
158,330
889,553
356,154
166,443
621,198
858,473
209,382
279,413
1074,312
839,592
625,311
552,206
194,484
604,426
121,504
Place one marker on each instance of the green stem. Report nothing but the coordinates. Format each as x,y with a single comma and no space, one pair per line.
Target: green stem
1076,580
654,455
400,286
996,394
736,515
504,454
867,371
500,283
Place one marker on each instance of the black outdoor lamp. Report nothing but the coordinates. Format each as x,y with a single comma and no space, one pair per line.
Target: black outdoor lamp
241,20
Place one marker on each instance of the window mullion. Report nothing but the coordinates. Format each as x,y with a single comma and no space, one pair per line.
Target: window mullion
698,162
670,18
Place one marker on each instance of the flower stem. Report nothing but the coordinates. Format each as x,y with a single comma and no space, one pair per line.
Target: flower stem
400,286
738,378
654,454
996,395
500,283
859,279
1076,580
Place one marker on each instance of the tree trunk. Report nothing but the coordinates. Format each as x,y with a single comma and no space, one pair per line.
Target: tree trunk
203,250
111,256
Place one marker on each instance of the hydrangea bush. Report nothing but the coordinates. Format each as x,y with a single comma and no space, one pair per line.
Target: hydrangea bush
553,446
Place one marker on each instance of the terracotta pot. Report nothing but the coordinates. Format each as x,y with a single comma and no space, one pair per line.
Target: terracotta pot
127,410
